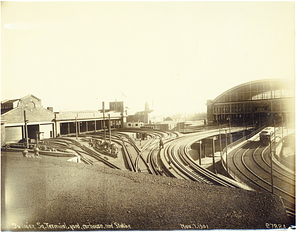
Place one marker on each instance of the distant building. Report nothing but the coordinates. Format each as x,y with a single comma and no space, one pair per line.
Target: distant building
141,116
117,106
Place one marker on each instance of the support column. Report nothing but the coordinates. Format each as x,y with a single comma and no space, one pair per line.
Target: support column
79,127
76,128
68,128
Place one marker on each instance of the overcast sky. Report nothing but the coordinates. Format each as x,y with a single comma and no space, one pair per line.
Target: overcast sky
175,55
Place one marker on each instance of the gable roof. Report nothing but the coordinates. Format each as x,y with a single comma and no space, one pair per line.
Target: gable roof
4,102
31,95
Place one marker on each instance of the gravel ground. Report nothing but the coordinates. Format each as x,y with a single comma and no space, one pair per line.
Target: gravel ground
50,194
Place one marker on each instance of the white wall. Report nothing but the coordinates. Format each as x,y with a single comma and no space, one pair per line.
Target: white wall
48,131
13,134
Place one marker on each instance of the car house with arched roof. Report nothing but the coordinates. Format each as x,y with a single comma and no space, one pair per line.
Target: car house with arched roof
254,103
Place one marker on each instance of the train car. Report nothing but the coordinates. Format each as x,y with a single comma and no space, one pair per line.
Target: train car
266,135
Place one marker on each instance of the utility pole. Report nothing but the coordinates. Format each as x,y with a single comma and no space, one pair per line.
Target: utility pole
221,152
122,126
26,130
286,124
213,153
104,127
271,160
230,135
226,150
76,127
282,126
109,129
95,123
200,143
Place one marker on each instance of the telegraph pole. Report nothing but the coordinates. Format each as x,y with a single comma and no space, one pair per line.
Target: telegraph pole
200,143
122,114
221,151
271,160
213,153
76,127
226,150
109,129
104,127
26,130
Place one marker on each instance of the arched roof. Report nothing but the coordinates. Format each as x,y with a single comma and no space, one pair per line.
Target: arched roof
258,90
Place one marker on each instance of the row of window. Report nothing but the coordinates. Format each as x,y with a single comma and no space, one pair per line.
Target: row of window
237,95
253,107
3,107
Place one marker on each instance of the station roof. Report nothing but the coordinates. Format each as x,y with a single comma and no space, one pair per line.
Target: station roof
257,90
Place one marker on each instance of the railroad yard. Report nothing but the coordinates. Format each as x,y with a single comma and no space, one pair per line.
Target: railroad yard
148,115
147,179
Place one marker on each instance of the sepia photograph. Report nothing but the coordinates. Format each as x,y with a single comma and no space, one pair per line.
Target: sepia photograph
148,115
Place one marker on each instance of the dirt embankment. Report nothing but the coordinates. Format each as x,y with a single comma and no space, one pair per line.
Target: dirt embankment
50,194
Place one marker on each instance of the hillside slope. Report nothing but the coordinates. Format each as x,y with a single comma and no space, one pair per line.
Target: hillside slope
50,194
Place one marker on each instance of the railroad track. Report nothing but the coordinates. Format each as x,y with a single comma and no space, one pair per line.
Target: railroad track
64,144
252,163
177,154
82,151
151,145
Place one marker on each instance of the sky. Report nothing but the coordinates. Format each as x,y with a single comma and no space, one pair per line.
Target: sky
174,55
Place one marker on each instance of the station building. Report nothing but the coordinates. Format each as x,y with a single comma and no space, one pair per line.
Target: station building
27,115
254,103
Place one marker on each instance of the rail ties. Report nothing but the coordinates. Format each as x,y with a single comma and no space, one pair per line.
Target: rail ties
98,157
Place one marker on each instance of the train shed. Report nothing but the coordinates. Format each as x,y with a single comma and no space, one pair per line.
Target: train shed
254,103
